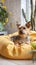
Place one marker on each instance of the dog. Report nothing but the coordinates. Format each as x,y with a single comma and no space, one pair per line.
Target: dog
23,34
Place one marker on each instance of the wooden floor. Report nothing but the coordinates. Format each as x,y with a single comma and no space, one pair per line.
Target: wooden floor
16,62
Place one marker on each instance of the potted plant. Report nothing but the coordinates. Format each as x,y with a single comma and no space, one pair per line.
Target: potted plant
3,17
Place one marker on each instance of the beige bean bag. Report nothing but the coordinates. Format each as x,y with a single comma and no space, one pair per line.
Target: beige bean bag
9,50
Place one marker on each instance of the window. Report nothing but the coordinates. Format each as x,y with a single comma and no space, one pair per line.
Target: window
25,4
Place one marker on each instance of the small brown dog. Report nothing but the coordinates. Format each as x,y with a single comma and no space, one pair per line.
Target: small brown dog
22,37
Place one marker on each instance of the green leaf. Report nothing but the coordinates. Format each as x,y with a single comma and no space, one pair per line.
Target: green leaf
3,15
24,15
33,44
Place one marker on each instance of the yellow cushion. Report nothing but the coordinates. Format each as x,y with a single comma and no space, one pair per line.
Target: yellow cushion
9,50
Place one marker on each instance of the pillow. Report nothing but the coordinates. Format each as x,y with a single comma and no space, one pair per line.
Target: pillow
4,41
14,52
9,49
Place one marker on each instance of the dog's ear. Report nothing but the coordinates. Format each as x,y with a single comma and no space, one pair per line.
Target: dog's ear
18,25
28,24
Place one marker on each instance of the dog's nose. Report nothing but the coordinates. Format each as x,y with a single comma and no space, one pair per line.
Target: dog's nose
22,32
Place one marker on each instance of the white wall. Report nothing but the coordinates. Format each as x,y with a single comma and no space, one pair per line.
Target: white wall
13,6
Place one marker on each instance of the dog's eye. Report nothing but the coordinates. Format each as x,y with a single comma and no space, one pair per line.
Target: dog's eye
24,28
19,27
